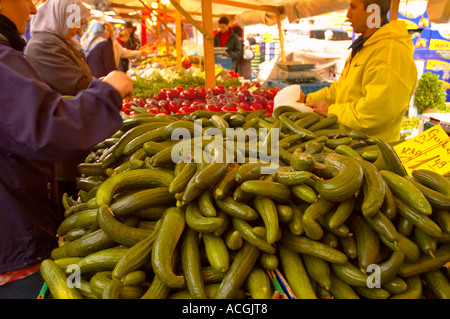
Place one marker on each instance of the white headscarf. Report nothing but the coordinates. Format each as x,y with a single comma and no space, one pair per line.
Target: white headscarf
94,35
58,16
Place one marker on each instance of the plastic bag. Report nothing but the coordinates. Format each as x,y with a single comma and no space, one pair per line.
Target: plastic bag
289,96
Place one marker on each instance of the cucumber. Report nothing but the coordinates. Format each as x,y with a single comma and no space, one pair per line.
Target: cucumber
413,291
345,183
291,177
367,241
295,129
432,180
131,179
422,221
88,244
206,204
407,192
118,231
312,227
295,273
140,199
211,174
249,171
226,186
181,180
57,282
426,263
248,235
341,290
373,189
305,193
102,260
216,252
391,159
342,213
238,271
237,209
258,284
438,283
273,190
318,270
136,256
304,245
190,259
267,209
172,226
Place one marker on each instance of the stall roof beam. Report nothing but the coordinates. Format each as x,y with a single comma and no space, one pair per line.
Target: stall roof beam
244,5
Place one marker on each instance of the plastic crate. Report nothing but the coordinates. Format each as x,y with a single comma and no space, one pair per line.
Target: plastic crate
224,62
306,87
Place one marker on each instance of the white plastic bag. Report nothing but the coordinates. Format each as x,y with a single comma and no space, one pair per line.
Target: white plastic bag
289,96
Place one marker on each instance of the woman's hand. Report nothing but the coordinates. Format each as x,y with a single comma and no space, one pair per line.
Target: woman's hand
121,82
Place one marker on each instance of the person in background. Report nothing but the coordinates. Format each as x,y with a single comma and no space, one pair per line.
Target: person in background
119,50
52,50
227,38
56,56
244,65
133,43
378,79
99,50
38,129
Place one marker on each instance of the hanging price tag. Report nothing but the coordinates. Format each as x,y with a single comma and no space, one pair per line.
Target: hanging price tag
428,150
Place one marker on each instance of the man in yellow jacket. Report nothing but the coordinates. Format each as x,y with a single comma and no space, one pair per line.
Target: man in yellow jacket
378,79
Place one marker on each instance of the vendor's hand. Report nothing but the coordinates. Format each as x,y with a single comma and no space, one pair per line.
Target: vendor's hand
121,82
319,107
302,98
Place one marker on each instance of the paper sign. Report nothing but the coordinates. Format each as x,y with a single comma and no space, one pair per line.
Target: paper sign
428,150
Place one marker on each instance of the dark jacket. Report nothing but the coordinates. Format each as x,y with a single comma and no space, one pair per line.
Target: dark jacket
63,68
58,63
234,46
101,59
37,128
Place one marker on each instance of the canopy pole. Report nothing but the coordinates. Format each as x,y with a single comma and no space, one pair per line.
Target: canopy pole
394,10
178,38
208,45
281,37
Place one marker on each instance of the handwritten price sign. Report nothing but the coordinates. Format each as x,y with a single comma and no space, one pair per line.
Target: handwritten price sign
429,150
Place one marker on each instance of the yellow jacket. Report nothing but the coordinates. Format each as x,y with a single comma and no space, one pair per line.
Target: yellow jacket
374,90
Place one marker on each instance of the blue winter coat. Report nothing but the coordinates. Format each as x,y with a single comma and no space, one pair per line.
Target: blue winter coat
37,129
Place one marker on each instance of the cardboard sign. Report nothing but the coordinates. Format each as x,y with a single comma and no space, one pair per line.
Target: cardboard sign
428,150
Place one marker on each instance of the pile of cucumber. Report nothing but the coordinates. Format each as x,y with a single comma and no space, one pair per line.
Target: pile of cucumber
339,216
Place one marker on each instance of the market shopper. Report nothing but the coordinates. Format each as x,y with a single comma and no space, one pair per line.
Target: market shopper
38,127
119,50
227,38
56,56
378,79
244,65
99,50
53,51
133,43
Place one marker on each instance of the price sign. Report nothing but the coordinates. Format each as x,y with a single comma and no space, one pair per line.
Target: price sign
428,150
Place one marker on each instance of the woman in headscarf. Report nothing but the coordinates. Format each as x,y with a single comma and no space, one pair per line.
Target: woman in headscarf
56,55
99,51
53,51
